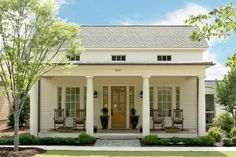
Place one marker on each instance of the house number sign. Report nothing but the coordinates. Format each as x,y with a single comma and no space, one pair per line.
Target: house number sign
117,70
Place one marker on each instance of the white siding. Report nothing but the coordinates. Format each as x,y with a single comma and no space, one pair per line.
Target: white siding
141,55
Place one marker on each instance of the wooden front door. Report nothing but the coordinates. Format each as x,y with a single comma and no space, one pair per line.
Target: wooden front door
118,107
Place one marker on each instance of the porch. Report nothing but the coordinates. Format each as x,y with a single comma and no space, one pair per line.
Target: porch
113,133
185,90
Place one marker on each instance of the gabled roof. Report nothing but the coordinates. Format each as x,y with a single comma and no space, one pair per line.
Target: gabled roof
139,36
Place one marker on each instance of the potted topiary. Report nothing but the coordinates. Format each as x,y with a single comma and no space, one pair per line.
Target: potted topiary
133,118
104,118
141,128
95,128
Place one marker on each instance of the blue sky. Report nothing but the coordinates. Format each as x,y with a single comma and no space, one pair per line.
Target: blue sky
150,12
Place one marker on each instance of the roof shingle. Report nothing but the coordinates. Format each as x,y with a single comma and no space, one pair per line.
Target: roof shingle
139,36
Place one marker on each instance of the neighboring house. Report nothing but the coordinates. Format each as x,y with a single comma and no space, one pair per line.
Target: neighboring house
146,67
4,105
213,109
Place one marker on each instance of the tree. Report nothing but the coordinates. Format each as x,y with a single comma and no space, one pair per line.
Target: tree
219,23
31,39
226,91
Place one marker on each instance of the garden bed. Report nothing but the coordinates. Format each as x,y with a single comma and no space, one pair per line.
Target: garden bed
82,140
23,152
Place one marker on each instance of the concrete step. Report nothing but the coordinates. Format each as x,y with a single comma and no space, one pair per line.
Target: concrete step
118,136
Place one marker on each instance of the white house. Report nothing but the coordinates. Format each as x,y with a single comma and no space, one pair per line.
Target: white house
142,66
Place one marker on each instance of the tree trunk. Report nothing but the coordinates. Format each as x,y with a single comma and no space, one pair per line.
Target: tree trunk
16,123
16,132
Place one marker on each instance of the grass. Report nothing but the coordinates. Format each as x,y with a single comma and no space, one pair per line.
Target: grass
63,153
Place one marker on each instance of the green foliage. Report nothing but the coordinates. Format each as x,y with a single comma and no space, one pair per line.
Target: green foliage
190,141
217,133
219,23
85,139
26,139
206,141
6,140
24,115
224,121
150,140
175,140
226,89
227,142
199,141
164,141
234,140
31,140
233,132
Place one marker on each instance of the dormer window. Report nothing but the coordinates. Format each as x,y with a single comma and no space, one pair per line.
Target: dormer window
74,58
118,58
164,58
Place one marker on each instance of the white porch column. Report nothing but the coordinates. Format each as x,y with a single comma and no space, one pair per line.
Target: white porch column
89,106
146,106
34,110
201,106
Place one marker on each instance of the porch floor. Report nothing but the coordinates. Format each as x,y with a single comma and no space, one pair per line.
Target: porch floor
118,133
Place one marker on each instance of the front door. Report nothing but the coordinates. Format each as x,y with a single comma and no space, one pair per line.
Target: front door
118,107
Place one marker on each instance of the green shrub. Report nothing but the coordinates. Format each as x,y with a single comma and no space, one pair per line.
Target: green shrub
227,142
24,115
217,133
164,141
6,140
206,141
224,121
175,140
233,132
189,141
26,139
234,140
150,140
85,139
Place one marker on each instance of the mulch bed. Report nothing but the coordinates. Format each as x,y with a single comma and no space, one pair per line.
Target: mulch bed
24,152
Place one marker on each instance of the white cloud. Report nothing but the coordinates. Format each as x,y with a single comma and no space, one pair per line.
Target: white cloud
178,16
218,70
171,18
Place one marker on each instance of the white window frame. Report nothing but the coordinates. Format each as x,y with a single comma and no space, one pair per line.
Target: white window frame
65,94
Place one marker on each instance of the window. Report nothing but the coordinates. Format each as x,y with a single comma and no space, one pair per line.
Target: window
131,96
177,97
118,58
74,58
85,97
210,110
59,97
105,96
164,100
72,101
210,106
163,58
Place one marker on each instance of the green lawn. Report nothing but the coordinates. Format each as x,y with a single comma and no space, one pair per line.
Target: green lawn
140,154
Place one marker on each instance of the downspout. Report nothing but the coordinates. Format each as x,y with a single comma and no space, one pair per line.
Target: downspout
197,105
39,102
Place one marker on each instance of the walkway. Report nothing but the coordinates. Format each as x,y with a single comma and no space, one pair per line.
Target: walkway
94,148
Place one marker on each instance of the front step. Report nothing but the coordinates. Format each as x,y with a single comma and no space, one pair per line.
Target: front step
118,143
118,136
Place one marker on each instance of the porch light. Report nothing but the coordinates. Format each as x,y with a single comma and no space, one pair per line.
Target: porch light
95,94
141,94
